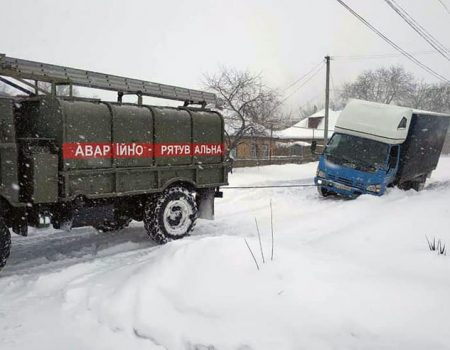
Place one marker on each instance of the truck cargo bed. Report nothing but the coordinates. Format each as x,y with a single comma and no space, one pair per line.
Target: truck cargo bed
422,148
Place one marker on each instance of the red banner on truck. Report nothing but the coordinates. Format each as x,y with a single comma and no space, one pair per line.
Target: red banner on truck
99,150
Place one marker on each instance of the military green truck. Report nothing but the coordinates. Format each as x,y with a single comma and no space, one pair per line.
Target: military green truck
71,162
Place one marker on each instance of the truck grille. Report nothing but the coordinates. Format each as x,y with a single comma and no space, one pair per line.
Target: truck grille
332,177
360,185
347,182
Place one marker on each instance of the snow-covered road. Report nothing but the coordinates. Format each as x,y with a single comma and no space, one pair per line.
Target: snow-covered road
346,274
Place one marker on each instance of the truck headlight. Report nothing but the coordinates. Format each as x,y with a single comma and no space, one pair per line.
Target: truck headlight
320,173
374,188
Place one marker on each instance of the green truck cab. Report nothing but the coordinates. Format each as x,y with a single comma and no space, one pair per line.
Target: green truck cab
73,162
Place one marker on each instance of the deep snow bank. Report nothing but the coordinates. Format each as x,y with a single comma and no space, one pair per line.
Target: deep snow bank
346,274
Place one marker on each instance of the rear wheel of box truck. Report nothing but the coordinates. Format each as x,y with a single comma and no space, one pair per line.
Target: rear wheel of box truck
172,215
416,184
5,243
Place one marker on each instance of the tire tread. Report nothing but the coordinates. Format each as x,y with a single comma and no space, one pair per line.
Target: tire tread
153,211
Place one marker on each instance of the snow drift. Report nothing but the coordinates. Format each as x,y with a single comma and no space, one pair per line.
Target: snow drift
346,274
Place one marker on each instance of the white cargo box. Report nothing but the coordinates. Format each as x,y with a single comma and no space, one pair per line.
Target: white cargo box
377,121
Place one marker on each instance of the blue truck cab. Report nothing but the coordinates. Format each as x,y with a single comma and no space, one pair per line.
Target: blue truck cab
376,146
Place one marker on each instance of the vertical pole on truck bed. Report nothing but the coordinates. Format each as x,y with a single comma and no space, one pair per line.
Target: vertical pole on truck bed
327,100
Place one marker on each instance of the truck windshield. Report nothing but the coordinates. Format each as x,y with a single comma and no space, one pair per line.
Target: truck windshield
357,152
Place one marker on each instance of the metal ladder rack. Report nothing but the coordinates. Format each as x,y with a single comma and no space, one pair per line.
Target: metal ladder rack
23,70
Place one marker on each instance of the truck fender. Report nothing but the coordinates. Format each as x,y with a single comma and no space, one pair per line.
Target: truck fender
186,183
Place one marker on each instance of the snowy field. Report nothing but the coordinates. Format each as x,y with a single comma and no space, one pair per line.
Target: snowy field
346,275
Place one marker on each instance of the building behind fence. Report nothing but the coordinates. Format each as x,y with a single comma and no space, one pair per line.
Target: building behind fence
291,145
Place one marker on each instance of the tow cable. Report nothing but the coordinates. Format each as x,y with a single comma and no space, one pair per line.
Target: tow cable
265,186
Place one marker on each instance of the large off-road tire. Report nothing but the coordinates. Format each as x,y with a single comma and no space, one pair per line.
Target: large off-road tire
5,243
172,215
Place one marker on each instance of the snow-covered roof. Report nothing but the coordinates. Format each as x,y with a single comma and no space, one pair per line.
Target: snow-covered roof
301,130
377,121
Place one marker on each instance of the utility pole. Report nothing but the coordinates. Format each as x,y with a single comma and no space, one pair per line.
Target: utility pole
327,100
270,143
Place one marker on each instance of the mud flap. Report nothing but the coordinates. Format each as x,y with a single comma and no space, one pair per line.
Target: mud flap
205,203
20,222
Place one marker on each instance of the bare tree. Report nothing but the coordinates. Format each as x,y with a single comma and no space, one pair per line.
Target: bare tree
251,106
386,85
433,97
394,85
309,109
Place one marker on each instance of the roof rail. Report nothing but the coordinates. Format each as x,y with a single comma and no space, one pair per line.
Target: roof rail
20,69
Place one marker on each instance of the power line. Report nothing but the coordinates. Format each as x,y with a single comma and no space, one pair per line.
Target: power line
303,76
394,45
379,56
418,28
304,83
444,6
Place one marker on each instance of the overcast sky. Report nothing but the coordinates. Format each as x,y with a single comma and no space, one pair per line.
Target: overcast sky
176,42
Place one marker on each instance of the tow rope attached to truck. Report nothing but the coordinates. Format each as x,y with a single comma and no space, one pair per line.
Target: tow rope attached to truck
268,186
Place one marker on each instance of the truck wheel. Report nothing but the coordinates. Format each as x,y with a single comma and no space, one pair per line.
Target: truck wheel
405,186
5,243
418,185
113,225
323,191
171,216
